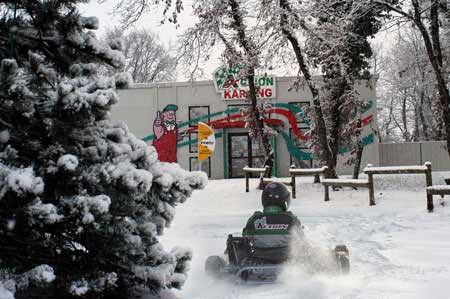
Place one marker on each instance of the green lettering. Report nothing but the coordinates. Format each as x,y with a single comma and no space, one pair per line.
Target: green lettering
262,81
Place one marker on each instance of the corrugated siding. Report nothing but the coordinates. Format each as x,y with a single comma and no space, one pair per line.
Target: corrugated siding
393,154
415,153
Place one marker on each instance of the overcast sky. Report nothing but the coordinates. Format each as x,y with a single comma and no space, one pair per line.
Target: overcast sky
167,32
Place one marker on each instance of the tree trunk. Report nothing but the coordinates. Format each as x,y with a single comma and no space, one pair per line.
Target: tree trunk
268,152
404,120
416,131
359,151
251,53
334,132
433,47
423,121
319,121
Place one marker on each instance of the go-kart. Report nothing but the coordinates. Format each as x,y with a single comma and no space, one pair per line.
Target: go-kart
246,264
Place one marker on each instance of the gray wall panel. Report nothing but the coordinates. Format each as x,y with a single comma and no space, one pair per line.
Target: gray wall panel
393,154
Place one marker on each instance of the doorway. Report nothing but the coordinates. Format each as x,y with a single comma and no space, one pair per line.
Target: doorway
243,151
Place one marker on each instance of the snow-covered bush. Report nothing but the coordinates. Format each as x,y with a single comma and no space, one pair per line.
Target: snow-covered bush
82,200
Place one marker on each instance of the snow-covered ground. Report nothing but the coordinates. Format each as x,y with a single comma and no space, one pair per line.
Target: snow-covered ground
397,248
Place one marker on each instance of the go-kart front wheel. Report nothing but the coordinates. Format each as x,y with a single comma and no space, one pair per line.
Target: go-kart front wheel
214,266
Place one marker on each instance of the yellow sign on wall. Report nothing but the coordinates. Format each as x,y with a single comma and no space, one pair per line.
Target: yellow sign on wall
206,141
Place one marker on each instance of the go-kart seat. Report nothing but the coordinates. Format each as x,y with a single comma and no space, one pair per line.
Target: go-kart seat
240,248
274,255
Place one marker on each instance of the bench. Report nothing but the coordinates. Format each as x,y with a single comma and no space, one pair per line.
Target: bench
439,190
354,183
415,169
295,172
249,170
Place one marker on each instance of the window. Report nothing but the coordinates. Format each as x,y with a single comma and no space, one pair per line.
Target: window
303,106
196,112
301,145
193,147
206,165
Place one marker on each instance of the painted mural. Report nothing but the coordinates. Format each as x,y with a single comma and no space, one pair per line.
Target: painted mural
166,138
165,133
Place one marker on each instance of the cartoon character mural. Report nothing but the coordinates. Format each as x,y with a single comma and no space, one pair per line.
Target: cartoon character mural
165,130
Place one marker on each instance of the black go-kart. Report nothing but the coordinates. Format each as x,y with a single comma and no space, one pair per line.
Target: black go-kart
249,265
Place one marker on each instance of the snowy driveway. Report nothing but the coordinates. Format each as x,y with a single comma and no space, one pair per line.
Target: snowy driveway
397,249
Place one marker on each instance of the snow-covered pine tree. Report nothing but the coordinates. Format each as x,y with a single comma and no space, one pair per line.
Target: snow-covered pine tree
82,201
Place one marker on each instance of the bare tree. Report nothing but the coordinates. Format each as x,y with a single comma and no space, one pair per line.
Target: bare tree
431,19
147,60
408,91
130,11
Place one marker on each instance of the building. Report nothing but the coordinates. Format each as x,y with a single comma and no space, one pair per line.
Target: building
166,115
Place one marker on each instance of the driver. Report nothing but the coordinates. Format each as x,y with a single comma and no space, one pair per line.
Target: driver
272,230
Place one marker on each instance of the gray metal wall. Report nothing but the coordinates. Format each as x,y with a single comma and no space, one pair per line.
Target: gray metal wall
415,153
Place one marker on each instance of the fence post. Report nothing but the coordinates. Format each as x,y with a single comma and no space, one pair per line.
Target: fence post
371,190
325,172
429,182
316,177
294,190
325,175
371,187
327,195
246,180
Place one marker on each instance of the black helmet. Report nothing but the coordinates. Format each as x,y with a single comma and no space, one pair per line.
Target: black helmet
276,194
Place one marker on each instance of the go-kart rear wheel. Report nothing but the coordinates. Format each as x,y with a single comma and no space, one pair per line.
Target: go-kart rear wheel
344,263
342,258
214,266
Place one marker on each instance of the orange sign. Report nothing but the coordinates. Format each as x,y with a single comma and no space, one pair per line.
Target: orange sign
206,141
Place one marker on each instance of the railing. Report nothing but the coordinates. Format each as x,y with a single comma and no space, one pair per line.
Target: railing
249,170
295,172
416,169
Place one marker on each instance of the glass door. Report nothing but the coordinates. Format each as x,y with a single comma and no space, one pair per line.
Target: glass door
238,154
242,151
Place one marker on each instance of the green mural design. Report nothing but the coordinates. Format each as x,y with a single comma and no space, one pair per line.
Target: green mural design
292,148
